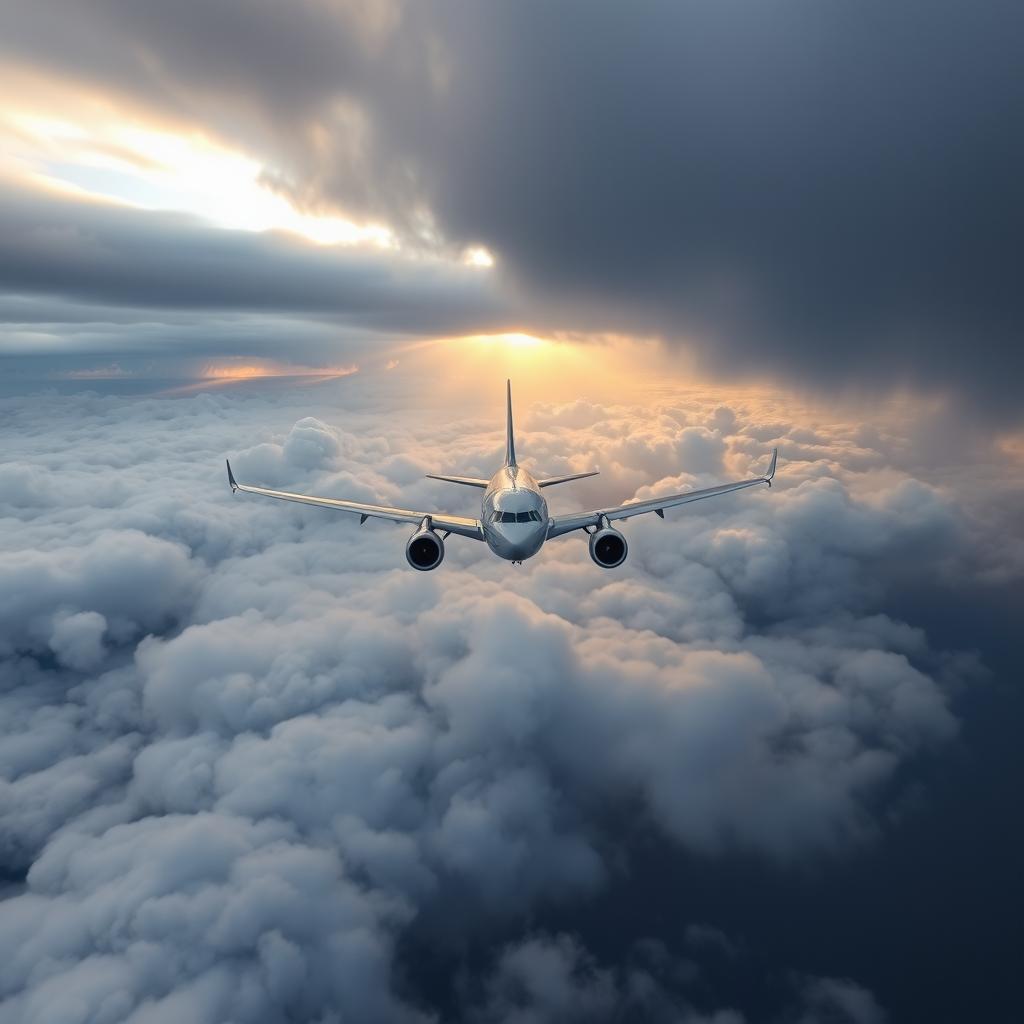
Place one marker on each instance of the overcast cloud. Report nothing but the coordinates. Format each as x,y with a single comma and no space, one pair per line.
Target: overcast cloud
800,189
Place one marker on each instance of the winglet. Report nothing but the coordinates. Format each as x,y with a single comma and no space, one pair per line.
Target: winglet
510,441
771,465
231,477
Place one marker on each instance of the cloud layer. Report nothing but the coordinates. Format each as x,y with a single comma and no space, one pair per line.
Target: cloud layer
253,766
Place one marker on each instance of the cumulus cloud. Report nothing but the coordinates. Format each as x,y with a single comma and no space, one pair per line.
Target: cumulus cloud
250,762
77,639
203,917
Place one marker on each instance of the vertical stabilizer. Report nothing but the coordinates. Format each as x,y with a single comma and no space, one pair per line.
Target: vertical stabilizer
510,441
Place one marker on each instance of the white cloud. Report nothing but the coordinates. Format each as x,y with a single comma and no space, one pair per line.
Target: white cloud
244,748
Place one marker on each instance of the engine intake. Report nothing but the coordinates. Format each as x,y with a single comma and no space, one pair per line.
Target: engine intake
424,550
608,547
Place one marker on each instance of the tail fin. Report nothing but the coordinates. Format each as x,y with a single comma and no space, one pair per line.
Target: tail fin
510,441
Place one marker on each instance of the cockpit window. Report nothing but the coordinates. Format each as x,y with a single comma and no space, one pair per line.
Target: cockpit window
533,516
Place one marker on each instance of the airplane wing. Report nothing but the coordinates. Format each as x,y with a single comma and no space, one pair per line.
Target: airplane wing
452,524
583,520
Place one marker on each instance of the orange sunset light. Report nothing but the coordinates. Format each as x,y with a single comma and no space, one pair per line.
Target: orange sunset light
253,371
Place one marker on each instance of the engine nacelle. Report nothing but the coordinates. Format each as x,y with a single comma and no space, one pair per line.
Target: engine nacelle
424,550
608,547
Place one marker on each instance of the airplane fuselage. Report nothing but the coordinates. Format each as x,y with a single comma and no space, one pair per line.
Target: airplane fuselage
514,514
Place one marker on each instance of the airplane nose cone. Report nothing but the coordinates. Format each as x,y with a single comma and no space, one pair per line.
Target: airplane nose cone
518,540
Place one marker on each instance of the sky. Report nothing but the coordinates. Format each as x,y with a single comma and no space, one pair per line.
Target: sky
255,769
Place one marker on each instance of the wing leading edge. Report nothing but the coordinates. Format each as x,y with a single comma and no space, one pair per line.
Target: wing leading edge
453,524
582,520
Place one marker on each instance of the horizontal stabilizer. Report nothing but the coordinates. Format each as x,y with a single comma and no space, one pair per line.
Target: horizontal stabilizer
552,480
468,481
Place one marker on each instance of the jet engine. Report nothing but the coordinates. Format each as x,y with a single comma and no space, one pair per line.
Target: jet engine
424,550
608,547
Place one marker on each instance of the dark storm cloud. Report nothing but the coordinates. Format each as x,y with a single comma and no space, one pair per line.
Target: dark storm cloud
127,258
267,67
244,753
825,190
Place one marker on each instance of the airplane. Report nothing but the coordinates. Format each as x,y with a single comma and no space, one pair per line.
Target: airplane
514,520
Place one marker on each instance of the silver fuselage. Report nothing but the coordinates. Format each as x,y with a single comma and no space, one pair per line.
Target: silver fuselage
512,492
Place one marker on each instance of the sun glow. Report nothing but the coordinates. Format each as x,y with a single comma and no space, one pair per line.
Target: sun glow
518,341
473,362
1012,445
142,166
478,256
254,371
